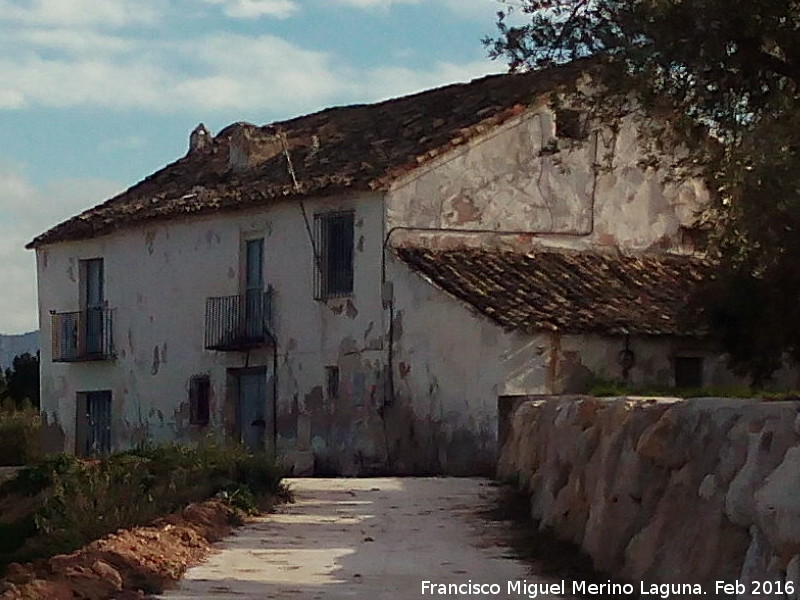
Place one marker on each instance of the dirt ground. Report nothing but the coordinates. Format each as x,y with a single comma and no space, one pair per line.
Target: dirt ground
124,565
342,538
366,538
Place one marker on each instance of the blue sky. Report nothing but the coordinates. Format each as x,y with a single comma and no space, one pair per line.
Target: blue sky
97,94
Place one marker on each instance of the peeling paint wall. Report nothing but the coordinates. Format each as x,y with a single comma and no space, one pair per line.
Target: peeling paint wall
450,366
564,193
569,364
454,368
435,410
157,280
447,376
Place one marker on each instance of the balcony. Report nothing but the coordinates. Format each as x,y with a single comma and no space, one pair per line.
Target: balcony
236,323
83,335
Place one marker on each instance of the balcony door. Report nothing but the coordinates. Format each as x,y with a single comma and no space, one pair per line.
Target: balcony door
94,301
254,289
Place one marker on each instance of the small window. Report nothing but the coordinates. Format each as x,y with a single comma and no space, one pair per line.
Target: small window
694,239
688,372
569,125
334,248
332,382
199,400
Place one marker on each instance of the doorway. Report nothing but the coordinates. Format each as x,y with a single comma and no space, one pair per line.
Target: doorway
255,409
93,424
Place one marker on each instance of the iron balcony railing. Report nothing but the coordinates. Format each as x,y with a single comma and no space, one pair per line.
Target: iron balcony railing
239,322
83,335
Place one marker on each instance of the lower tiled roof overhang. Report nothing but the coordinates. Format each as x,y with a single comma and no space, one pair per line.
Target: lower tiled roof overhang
571,292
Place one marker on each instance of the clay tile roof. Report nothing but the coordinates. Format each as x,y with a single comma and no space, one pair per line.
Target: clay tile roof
359,147
570,292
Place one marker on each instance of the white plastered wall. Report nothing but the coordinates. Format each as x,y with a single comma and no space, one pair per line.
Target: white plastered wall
520,178
157,279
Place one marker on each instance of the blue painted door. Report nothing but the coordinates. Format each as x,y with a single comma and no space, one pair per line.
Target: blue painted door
255,411
254,289
94,306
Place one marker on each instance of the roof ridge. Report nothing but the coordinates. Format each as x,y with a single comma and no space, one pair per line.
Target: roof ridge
356,147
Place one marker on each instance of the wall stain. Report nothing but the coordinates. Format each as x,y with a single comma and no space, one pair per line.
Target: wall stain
149,238
404,369
397,325
465,211
156,362
212,237
52,437
352,311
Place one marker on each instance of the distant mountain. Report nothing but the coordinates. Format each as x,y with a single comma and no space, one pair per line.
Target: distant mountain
14,345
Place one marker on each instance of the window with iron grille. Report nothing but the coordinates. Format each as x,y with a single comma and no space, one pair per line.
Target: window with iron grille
334,255
199,400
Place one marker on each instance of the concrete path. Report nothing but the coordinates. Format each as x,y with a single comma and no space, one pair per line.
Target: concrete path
365,538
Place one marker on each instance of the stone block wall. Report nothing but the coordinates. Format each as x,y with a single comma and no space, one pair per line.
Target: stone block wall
665,490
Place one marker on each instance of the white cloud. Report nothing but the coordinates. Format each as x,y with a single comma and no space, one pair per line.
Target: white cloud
465,9
60,13
11,99
263,72
91,81
255,9
27,211
376,3
80,41
389,82
219,72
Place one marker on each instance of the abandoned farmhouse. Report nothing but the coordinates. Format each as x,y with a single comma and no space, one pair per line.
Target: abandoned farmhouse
361,290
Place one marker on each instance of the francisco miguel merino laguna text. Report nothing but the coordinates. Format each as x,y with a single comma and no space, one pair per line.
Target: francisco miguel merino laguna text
531,589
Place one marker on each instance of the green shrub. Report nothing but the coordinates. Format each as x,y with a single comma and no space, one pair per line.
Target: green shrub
19,435
240,497
76,501
262,476
606,388
36,478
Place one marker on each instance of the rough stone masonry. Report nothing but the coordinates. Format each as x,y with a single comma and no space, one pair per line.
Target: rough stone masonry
666,490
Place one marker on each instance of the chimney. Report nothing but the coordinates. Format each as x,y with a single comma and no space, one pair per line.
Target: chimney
199,138
250,146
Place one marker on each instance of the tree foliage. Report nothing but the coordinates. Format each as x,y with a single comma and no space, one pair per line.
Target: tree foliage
21,381
729,70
